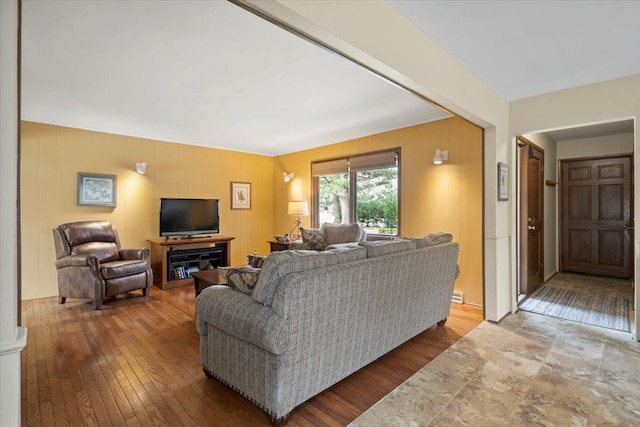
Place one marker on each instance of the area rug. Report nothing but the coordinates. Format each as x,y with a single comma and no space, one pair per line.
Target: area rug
578,306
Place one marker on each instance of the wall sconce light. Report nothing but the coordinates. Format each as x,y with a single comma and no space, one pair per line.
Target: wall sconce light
287,176
441,156
297,208
141,167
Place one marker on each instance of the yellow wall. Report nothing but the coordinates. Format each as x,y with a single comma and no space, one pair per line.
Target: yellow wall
53,155
433,198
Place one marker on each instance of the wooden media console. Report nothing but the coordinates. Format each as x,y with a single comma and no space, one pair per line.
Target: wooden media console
173,260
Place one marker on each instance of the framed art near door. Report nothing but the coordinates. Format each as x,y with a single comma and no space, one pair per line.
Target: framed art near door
503,182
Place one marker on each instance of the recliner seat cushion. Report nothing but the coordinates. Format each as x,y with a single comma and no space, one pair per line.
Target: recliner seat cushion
111,270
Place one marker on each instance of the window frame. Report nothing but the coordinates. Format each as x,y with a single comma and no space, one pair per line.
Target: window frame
337,162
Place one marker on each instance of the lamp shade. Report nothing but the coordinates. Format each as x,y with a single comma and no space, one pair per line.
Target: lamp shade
299,207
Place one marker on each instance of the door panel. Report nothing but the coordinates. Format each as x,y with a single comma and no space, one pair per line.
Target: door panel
597,216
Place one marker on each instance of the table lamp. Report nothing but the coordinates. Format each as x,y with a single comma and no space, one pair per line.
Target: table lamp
297,208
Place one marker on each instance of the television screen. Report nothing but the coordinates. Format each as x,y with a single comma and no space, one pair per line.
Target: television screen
187,217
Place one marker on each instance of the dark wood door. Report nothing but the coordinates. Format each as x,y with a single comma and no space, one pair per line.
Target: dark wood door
531,216
597,216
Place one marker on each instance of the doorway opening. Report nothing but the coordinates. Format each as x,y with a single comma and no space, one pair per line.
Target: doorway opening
587,240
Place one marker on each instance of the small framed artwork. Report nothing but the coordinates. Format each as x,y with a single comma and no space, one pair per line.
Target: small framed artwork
96,189
503,181
240,195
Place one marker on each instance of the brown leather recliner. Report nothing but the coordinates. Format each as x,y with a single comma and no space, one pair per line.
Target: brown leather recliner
91,264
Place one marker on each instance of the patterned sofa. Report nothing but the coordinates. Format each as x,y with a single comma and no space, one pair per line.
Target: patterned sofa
330,236
313,318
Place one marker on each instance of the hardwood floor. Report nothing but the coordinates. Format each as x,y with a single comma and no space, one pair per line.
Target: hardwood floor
136,363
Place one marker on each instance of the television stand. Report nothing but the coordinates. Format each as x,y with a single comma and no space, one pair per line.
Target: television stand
173,260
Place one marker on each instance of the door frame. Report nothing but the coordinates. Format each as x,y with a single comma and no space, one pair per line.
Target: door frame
521,239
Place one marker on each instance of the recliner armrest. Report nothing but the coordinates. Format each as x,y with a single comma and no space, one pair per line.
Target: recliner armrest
139,253
83,260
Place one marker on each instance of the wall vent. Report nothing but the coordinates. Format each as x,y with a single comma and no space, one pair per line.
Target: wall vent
457,297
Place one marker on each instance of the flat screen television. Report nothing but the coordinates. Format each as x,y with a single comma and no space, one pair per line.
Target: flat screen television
189,217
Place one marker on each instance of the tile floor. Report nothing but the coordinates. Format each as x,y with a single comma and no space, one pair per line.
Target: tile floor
527,370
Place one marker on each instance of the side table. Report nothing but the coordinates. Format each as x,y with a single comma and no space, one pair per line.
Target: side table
204,278
279,246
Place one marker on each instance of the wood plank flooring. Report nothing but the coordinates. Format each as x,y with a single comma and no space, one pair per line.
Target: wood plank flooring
136,363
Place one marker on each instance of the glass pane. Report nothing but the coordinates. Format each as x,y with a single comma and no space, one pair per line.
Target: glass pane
333,200
377,200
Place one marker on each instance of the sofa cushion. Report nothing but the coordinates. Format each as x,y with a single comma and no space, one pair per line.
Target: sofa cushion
387,247
342,245
341,233
242,279
278,264
313,239
255,260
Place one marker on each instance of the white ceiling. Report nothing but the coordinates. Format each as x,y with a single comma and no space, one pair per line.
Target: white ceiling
526,48
198,72
212,74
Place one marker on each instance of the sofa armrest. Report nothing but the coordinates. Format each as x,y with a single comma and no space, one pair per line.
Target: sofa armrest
238,315
139,253
83,260
296,244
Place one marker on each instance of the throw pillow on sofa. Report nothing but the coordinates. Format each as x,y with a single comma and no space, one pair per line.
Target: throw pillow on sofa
242,279
313,239
430,239
255,261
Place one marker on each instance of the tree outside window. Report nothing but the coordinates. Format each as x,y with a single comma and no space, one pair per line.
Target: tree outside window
367,195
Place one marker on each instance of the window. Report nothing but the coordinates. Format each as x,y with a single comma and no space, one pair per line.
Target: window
362,189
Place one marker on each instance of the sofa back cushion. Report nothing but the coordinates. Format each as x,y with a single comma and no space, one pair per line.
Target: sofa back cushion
279,264
387,247
341,233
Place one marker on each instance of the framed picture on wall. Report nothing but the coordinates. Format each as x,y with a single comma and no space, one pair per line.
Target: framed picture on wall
240,195
503,181
96,189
